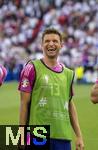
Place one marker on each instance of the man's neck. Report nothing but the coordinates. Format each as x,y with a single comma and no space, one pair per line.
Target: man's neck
50,62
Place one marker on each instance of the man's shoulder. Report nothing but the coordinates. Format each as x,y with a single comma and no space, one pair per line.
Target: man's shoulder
69,71
30,64
67,68
28,67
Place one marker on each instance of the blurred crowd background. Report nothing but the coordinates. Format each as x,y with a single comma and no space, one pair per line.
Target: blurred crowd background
23,21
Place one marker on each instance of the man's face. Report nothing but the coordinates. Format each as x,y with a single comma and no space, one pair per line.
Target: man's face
51,45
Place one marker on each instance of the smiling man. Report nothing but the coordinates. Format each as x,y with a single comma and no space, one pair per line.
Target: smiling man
47,98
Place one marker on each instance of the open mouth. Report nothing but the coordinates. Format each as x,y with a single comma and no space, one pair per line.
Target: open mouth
51,49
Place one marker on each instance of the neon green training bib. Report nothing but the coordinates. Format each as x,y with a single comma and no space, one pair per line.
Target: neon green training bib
50,99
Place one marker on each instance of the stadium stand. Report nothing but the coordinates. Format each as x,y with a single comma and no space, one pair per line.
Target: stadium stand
22,22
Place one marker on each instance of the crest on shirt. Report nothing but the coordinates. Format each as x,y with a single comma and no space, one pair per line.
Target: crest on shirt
25,83
46,78
66,105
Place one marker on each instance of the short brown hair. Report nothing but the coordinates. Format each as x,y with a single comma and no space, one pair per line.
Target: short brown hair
50,31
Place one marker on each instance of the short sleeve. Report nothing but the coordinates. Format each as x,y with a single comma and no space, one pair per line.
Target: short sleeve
27,78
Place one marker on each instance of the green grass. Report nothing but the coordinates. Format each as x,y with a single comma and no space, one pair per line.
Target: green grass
9,103
87,112
88,116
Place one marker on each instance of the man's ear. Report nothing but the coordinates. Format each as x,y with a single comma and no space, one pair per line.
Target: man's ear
62,44
41,47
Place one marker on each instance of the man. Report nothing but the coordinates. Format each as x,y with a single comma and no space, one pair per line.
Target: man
94,93
46,88
3,73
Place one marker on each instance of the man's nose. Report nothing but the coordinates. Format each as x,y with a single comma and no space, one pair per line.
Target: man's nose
51,42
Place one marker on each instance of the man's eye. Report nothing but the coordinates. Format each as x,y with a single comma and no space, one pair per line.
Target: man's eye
55,41
47,41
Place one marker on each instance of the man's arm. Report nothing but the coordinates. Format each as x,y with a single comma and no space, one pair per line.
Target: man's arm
24,103
23,114
26,84
94,93
75,125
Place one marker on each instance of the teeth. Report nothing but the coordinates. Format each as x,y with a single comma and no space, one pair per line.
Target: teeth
51,49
